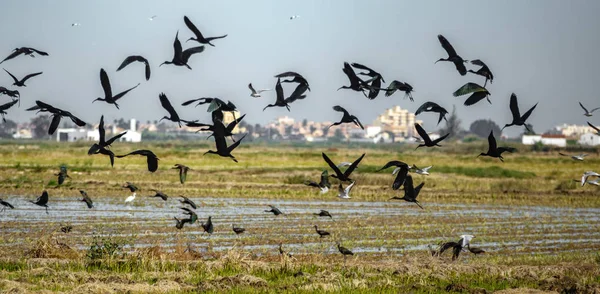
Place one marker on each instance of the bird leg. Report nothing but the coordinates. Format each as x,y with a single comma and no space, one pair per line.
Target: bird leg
47,210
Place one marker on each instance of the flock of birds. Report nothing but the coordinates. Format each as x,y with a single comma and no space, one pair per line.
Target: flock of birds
361,79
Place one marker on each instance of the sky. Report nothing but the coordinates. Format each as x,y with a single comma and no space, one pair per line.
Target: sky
542,50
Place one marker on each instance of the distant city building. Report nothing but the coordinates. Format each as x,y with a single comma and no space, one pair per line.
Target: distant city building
81,134
574,130
589,139
400,122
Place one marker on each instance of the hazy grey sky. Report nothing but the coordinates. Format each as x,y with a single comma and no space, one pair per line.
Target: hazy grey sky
545,51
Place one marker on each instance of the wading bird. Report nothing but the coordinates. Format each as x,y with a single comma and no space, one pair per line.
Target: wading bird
57,114
518,119
188,201
237,230
103,143
223,150
344,251
9,93
494,150
321,233
323,184
410,192
193,216
4,107
323,213
595,128
399,86
346,118
173,116
433,107
282,252
208,226
133,189
159,194
280,101
42,200
345,176
296,78
62,174
198,35
181,222
108,95
452,56
376,79
475,250
457,247
181,58
274,210
586,175
356,83
255,93
21,83
579,157
25,51
344,193
401,172
588,113
134,58
483,71
88,201
183,170
421,171
427,142
5,205
478,93
151,158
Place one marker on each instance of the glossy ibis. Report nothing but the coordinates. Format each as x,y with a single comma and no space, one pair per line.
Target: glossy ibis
21,82
188,201
223,150
477,93
180,57
108,95
401,172
57,114
323,184
475,250
518,119
274,210
62,174
588,113
344,193
42,200
321,233
296,78
198,35
180,222
66,229
344,251
166,104
5,205
208,226
399,86
324,213
25,51
159,194
410,192
4,107
356,83
103,143
256,93
376,79
193,216
151,158
433,107
494,150
237,230
280,100
427,142
459,63
134,58
183,170
9,93
345,176
346,118
88,201
483,71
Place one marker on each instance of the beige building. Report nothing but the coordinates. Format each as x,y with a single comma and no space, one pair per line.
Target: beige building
574,130
398,121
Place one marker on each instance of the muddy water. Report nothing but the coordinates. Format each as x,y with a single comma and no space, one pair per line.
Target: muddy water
389,228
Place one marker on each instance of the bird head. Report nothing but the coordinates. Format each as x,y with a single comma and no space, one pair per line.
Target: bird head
166,62
481,154
441,59
192,38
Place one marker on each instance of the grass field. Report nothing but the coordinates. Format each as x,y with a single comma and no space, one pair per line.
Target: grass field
540,228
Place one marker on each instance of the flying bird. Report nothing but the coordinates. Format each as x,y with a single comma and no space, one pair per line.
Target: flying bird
401,172
255,93
344,193
152,17
433,107
477,93
62,174
588,113
296,78
181,222
280,100
356,83
137,58
151,158
166,104
4,107
346,118
10,93
410,192
586,175
323,213
579,157
188,201
457,247
180,57
159,194
452,56
5,205
274,210
399,86
483,71
103,143
223,150
198,35
376,80
193,217
518,119
494,150
108,95
345,176
183,170
88,201
21,83
42,200
427,142
594,127
57,114
294,17
323,184
25,51
421,171
75,24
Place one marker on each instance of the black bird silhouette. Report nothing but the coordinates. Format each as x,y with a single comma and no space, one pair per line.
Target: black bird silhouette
369,72
42,200
399,86
181,222
237,230
25,51
217,118
10,93
297,78
166,104
518,119
483,71
274,210
183,170
57,114
344,251
208,226
62,174
410,192
21,83
324,213
433,107
356,83
159,194
151,158
280,100
103,143
346,118
88,201
456,248
401,172
427,142
323,184
478,93
345,176
594,127
475,250
4,107
376,79
199,38
188,201
494,150
223,150
132,188
137,58
108,95
321,233
180,57
108,153
452,56
214,105
193,216
66,229
5,205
